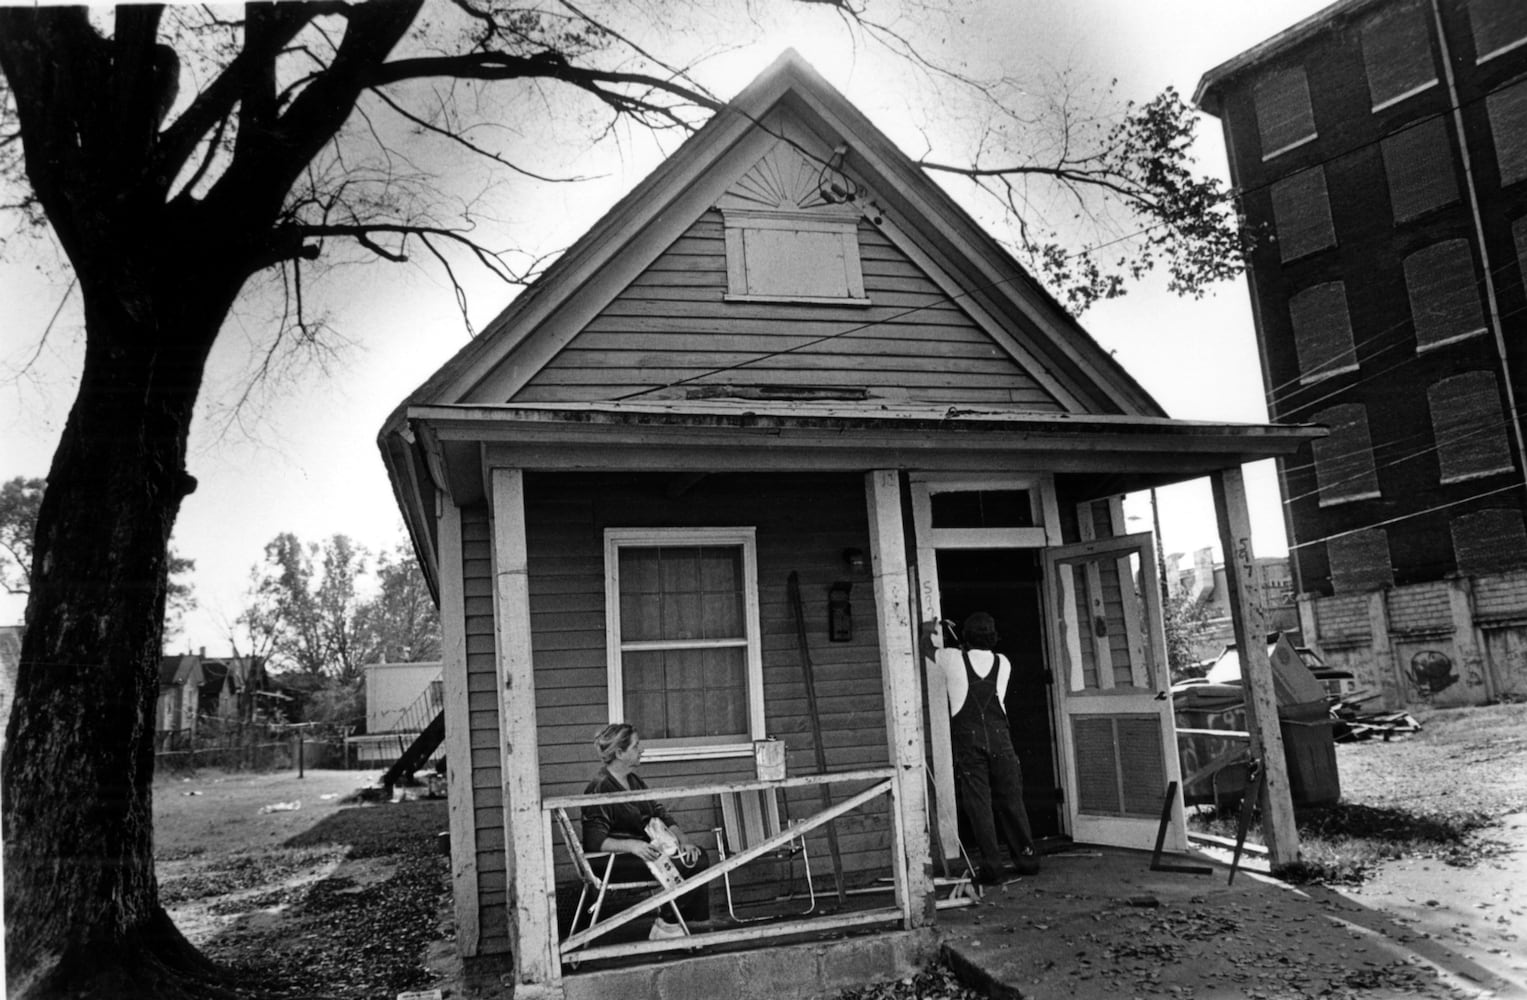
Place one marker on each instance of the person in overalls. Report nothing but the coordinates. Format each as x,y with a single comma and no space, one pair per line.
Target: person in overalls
988,779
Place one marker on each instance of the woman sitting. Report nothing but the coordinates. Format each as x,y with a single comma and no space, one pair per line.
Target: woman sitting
621,828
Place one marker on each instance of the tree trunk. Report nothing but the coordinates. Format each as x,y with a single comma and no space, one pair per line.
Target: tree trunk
82,912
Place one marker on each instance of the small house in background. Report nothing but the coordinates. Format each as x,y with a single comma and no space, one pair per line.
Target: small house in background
180,682
783,403
401,701
10,662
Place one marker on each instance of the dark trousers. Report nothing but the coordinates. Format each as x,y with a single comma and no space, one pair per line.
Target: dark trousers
989,783
695,905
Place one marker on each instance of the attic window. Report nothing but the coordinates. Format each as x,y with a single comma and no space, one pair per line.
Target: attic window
792,256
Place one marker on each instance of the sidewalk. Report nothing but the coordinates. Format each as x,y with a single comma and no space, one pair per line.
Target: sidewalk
1098,923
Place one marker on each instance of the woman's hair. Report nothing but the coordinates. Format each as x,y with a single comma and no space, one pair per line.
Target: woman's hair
979,631
614,739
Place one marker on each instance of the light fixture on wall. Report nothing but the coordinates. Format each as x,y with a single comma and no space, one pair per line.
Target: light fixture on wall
855,560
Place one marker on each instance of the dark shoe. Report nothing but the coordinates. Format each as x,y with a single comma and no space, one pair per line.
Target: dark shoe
1027,863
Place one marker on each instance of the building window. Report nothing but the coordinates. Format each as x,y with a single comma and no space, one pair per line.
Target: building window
1284,116
1498,26
685,662
793,256
1444,295
1322,332
1302,214
1360,561
1344,458
1397,54
1419,165
1468,427
1508,126
1489,541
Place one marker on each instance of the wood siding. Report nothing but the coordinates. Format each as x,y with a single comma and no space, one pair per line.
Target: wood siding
803,523
671,325
482,699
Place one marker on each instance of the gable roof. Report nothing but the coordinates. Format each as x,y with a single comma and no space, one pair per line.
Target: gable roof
914,212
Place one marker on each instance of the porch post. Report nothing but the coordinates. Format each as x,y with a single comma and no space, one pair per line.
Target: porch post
900,679
458,743
531,936
1247,616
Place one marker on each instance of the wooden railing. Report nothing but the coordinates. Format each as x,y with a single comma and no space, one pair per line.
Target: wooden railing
883,783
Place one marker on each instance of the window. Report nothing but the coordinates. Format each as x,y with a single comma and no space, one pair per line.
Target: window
793,256
1468,427
1360,561
1498,25
982,509
1284,117
1444,297
1302,214
1322,332
1419,165
1397,54
1508,126
685,665
1344,458
1489,541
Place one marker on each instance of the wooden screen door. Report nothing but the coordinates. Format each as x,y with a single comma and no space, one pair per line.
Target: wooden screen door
1117,741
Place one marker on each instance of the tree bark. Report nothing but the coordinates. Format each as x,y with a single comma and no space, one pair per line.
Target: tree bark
82,911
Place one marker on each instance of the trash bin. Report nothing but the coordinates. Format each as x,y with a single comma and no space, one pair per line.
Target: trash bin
1204,707
1309,751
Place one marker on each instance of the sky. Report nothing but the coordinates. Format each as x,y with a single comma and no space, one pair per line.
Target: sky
302,456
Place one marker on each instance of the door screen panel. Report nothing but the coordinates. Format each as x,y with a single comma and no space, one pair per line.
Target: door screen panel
1119,764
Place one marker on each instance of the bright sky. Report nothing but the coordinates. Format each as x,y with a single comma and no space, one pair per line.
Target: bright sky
305,460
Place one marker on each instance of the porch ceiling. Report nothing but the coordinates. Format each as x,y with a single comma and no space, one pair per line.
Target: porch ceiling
1117,453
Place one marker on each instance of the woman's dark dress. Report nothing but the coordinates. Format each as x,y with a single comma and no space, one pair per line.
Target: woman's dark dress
628,821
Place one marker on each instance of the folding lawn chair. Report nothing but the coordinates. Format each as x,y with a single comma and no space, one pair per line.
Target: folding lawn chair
599,883
750,817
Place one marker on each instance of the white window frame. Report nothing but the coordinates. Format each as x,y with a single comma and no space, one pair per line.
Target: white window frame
737,222
745,538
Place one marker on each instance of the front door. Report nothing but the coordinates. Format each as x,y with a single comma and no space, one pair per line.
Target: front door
1117,741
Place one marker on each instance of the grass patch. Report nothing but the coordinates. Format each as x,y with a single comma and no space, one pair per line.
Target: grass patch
1341,844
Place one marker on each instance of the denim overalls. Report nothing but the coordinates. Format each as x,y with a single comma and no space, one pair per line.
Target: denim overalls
987,776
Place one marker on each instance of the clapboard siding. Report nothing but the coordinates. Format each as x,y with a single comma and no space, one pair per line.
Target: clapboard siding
483,727
672,326
803,523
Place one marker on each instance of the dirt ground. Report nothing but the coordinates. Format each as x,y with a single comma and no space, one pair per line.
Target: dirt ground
1463,759
329,900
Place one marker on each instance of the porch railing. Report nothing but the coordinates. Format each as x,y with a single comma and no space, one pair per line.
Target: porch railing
576,946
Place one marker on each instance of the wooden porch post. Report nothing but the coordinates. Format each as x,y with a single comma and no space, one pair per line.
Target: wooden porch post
458,741
531,935
901,681
1247,616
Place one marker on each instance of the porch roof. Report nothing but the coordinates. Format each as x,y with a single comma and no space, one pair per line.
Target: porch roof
447,446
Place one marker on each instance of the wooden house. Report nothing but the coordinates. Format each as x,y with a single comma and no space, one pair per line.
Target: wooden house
789,355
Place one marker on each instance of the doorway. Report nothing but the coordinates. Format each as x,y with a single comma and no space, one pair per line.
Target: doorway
1007,584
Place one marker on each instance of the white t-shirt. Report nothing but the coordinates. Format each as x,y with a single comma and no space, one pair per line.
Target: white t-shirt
953,665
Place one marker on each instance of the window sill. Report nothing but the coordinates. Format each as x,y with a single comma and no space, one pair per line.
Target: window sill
1465,477
1315,377
1509,47
814,300
1337,501
1433,345
1390,102
1293,145
700,751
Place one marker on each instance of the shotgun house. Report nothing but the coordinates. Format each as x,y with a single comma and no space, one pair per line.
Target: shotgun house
783,403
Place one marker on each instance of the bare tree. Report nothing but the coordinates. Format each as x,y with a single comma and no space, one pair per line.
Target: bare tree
176,154
305,612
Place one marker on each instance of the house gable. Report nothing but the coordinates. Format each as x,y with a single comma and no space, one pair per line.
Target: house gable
839,311
647,283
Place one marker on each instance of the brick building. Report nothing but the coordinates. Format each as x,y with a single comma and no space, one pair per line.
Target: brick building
1380,148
